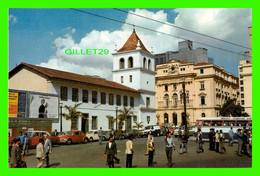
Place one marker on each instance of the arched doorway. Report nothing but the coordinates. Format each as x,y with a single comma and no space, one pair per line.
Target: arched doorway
166,118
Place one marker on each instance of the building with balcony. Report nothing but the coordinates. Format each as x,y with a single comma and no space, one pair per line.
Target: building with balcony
207,87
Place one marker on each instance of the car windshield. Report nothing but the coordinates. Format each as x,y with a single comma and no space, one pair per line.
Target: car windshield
66,133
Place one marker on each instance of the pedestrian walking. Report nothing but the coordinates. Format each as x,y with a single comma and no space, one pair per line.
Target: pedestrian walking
151,150
21,138
250,144
217,141
169,143
245,141
222,142
40,156
26,143
240,142
111,152
231,137
184,142
16,158
129,152
199,142
212,139
100,135
47,146
147,148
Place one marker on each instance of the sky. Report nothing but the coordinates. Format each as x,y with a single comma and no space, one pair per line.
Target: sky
40,36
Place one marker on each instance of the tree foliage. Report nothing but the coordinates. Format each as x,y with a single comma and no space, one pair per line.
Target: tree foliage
72,112
230,109
138,125
125,113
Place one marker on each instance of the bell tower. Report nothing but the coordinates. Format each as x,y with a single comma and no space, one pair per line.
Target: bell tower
133,66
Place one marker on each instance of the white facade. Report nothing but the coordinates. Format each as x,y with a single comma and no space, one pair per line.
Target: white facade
90,110
138,75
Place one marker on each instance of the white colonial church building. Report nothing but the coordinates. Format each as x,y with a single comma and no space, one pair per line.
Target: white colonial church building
134,67
133,86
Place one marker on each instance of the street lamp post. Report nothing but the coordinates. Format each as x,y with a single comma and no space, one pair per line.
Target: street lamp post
116,117
61,117
184,102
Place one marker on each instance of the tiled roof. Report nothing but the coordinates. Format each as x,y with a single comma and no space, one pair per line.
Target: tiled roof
52,73
202,63
131,43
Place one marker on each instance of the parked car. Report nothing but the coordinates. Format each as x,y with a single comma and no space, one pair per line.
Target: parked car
92,135
190,128
74,136
36,135
156,130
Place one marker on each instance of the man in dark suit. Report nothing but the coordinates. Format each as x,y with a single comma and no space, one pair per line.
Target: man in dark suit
15,160
111,152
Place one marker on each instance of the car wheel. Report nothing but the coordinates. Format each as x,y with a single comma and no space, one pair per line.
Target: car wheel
103,138
158,134
91,139
85,140
69,141
123,137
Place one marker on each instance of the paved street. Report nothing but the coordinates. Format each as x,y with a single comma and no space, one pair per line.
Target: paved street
91,156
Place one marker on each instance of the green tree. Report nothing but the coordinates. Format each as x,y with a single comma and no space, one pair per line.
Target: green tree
111,120
138,125
73,113
230,109
124,115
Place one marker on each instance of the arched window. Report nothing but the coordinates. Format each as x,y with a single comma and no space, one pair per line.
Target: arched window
203,114
144,62
166,118
149,64
130,62
166,98
122,63
174,118
175,99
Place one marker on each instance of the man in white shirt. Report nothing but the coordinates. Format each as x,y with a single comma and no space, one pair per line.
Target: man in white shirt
129,152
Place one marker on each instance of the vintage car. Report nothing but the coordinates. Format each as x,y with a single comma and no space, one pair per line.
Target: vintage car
92,135
74,136
36,135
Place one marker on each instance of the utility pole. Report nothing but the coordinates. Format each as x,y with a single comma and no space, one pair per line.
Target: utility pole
116,117
184,102
61,117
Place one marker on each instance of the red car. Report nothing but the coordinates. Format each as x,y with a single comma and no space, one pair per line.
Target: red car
36,135
74,136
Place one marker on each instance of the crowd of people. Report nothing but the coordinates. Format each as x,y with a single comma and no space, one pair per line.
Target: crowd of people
20,147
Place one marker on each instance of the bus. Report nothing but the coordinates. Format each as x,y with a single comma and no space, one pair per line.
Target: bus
222,123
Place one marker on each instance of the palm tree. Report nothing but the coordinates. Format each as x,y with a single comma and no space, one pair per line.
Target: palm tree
111,120
138,125
124,115
72,113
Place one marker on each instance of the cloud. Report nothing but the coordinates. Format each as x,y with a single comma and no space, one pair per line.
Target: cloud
227,24
12,19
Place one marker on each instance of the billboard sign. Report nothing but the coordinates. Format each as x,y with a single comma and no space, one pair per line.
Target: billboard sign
43,106
13,104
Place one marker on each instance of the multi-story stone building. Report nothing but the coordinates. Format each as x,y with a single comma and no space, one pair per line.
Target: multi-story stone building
207,88
185,53
245,78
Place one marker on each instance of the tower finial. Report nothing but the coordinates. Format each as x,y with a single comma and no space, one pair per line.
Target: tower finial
133,28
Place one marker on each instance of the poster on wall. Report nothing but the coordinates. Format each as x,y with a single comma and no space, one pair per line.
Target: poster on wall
17,104
13,104
43,106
